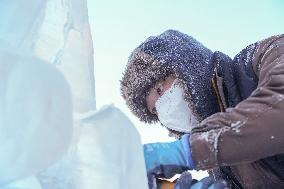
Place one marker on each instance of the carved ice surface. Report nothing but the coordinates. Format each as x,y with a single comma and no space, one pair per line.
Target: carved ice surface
106,150
58,32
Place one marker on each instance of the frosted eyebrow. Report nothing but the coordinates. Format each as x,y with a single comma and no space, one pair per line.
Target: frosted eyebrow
158,84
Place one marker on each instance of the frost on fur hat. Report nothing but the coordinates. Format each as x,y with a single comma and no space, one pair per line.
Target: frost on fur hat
176,53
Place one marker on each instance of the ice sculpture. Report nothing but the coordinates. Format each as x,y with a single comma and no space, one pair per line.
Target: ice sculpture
106,153
58,32
105,150
110,151
35,117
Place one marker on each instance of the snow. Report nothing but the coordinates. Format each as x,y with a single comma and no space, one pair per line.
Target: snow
236,126
272,137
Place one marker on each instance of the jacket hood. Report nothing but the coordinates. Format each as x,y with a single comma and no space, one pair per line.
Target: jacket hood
171,52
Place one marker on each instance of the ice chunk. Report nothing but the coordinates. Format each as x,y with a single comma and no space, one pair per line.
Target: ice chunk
110,152
106,152
64,39
35,116
27,183
57,32
19,23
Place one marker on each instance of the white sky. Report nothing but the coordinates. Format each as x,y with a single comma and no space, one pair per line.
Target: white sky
119,26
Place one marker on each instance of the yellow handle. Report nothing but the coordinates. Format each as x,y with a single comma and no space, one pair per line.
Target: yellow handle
166,185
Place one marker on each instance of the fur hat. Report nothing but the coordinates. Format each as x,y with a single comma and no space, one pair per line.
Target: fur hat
176,53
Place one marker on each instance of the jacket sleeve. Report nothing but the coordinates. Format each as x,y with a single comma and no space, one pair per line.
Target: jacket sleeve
254,129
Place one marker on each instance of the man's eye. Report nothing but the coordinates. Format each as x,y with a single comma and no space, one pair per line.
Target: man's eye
159,91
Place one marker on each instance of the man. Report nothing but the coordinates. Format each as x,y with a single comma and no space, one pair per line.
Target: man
230,109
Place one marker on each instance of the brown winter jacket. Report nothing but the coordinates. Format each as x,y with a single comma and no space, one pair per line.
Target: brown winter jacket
253,130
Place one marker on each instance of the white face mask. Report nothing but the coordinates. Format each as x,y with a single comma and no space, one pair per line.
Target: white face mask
173,111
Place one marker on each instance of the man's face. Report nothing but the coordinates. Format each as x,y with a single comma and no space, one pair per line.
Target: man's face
158,90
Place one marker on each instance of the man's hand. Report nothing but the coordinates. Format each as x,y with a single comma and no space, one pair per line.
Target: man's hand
185,181
164,160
